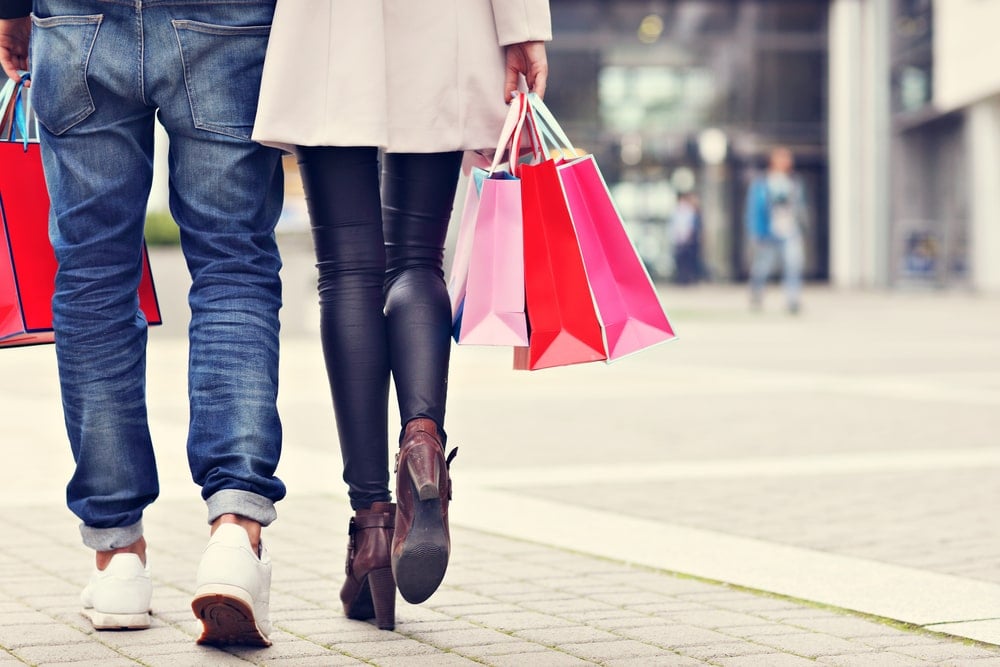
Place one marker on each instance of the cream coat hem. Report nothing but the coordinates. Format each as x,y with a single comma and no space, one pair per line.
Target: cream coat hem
408,76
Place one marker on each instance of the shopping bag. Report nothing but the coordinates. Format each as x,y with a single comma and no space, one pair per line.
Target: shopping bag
459,275
562,318
487,282
27,262
630,311
492,312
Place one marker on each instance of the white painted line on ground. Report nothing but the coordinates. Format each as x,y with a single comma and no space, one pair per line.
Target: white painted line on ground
877,385
985,631
834,464
871,587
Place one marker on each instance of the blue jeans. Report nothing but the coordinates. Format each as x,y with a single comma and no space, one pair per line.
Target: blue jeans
102,71
768,252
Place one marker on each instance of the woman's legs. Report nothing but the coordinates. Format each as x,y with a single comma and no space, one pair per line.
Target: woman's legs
342,192
383,299
384,304
418,192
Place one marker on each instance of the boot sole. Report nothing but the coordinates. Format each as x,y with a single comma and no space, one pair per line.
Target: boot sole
423,559
227,620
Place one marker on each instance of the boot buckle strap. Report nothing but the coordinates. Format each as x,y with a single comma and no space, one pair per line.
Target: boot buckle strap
351,532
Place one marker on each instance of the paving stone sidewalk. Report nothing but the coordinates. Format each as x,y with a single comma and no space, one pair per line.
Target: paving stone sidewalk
850,370
504,602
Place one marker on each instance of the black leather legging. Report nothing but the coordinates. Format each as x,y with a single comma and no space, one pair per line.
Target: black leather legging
383,301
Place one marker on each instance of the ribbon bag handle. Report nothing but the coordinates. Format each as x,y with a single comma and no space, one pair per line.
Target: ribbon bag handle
7,93
22,109
538,150
548,127
510,135
18,119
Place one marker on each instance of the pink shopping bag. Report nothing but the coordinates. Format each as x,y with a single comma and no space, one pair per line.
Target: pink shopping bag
487,281
493,309
631,315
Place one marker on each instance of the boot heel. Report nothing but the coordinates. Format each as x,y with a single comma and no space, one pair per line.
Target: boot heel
425,480
383,589
369,590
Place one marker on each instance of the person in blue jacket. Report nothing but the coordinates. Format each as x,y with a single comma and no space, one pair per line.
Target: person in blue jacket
776,216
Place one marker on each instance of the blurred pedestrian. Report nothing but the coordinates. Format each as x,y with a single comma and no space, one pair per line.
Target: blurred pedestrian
102,73
423,81
776,216
685,239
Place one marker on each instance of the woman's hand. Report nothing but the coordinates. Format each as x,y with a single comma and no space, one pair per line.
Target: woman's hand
527,58
14,35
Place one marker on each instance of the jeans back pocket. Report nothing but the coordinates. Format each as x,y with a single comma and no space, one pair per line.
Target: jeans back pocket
222,71
60,55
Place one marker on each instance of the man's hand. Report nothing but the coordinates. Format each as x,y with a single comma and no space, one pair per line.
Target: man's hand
14,36
527,58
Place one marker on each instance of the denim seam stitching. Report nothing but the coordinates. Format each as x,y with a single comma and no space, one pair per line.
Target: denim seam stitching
209,29
96,20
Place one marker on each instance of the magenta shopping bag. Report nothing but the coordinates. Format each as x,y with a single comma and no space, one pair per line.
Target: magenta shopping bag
487,282
631,315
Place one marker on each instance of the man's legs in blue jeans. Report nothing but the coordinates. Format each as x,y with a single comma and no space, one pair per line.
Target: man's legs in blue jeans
199,62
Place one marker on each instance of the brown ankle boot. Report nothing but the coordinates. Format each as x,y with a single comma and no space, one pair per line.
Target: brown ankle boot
421,545
370,591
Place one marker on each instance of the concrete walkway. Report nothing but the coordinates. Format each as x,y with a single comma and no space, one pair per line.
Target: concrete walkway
767,490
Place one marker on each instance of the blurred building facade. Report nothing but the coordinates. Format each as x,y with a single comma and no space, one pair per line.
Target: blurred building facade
945,149
892,108
674,95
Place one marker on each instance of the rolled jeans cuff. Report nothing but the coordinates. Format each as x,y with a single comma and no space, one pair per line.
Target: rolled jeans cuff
107,539
244,503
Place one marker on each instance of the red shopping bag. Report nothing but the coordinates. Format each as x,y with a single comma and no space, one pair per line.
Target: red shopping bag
487,285
563,323
630,311
27,262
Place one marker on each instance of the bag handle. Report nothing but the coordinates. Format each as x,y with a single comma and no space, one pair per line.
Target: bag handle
5,92
510,135
18,119
22,108
539,134
539,149
548,128
6,119
6,108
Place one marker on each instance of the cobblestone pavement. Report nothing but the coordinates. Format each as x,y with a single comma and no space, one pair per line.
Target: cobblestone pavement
505,602
847,457
868,428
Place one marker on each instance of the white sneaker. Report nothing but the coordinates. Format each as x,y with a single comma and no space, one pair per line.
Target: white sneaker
233,588
117,597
